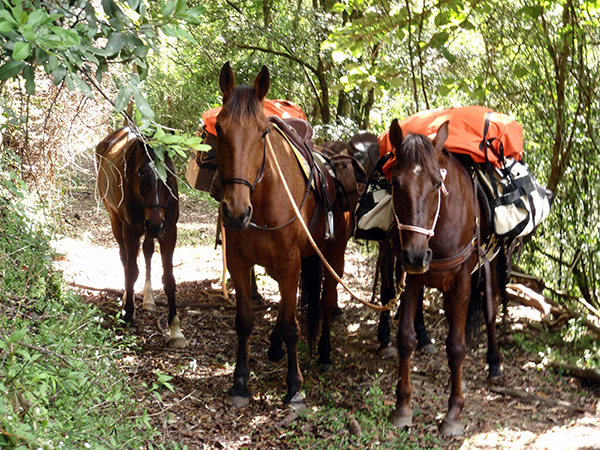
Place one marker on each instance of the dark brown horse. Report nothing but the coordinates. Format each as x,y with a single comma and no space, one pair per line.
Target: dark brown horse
437,237
140,203
260,228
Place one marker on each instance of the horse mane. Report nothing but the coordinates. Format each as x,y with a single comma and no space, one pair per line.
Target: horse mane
415,149
242,106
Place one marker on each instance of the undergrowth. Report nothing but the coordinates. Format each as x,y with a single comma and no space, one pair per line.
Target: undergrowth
367,429
572,344
59,386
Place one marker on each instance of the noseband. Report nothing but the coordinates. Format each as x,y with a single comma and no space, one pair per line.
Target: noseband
259,175
428,232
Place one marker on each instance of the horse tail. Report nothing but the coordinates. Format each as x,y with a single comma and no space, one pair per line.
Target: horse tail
479,300
502,276
311,280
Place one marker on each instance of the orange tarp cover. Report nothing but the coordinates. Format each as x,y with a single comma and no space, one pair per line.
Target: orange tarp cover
279,108
465,132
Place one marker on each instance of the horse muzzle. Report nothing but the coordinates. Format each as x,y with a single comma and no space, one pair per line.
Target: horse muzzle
415,262
153,229
236,222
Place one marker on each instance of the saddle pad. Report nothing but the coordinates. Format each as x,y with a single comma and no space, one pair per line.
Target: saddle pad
466,133
279,108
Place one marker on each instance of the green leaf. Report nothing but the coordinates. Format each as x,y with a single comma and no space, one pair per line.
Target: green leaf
21,51
439,39
196,11
122,98
168,9
29,75
449,56
142,103
6,15
116,43
36,17
17,335
11,69
82,85
6,26
58,75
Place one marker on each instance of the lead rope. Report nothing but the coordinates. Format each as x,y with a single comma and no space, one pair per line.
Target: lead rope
389,306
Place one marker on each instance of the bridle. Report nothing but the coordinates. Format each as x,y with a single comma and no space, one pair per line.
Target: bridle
426,231
259,177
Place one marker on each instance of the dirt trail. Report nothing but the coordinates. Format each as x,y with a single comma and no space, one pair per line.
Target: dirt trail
195,413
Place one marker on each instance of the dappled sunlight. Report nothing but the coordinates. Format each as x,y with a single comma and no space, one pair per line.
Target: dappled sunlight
577,435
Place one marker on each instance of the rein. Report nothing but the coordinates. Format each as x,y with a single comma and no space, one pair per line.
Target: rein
388,307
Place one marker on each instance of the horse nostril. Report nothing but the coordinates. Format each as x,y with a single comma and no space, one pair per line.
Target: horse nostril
153,227
427,257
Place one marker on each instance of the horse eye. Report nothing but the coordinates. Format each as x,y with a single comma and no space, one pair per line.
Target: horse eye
218,130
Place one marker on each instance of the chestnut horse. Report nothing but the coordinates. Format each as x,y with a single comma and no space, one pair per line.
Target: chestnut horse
437,239
140,203
261,228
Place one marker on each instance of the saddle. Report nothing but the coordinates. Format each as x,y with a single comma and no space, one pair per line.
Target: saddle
298,133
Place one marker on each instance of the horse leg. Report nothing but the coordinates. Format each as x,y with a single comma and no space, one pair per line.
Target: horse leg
167,247
498,274
239,395
330,297
401,417
256,296
131,241
148,303
423,341
289,330
455,306
385,264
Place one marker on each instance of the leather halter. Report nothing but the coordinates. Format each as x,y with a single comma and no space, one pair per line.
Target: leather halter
259,175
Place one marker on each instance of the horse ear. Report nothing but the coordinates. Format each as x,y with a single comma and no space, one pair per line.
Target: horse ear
226,80
441,136
262,83
395,134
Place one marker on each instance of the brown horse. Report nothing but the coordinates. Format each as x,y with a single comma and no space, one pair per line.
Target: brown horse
140,203
437,237
261,228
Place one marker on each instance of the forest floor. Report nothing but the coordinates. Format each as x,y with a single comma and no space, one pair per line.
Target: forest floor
361,385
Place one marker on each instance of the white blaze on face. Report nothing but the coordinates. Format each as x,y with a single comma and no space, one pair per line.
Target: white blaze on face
417,170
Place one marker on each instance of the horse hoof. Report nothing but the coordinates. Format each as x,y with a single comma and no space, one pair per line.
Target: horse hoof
296,403
177,343
494,381
401,422
237,401
338,315
151,307
430,349
455,428
387,352
276,355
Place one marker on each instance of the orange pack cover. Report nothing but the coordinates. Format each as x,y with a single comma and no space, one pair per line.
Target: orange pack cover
465,132
279,108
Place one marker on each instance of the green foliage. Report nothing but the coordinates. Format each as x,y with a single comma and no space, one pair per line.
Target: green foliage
572,344
333,424
59,383
76,45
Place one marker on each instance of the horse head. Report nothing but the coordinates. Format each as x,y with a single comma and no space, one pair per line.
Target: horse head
241,126
417,186
153,193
